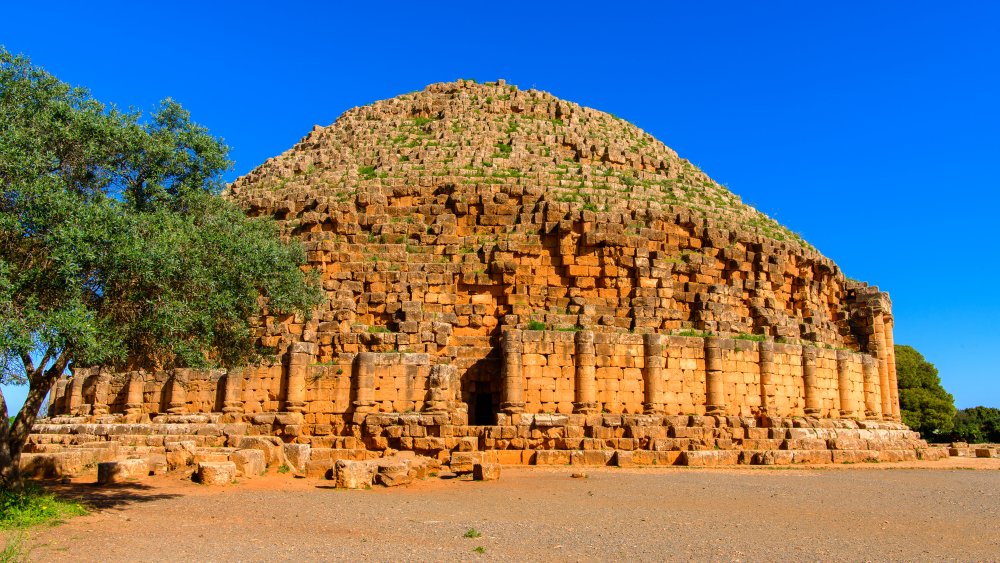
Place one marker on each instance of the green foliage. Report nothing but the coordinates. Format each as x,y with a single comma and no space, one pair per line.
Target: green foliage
976,425
472,533
751,337
115,247
31,506
283,468
696,333
479,549
924,404
536,325
367,172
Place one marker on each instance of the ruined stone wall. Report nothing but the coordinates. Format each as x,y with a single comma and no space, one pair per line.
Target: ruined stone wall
539,372
623,382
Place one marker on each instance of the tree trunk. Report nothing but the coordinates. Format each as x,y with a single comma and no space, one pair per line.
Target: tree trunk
10,477
15,435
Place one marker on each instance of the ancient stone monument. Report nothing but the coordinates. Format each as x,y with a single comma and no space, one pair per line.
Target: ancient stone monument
514,278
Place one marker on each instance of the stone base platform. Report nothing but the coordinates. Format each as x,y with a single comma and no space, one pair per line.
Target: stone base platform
67,446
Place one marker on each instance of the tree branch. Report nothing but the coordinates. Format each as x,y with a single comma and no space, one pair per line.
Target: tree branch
29,364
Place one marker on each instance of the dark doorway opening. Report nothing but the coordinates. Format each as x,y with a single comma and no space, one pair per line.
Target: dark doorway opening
483,413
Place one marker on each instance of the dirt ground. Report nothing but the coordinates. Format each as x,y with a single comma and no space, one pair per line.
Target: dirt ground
916,511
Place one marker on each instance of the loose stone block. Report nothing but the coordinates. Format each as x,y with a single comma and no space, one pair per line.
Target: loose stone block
463,462
297,455
354,474
486,471
271,446
394,473
216,472
110,472
249,462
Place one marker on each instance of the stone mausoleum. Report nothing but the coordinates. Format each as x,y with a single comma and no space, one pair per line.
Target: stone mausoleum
515,278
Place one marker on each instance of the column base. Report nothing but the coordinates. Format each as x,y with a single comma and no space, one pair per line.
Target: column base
653,408
586,407
363,406
295,406
811,411
715,410
846,414
177,409
512,408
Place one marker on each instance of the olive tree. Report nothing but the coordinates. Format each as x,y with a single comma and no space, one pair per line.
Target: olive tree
116,248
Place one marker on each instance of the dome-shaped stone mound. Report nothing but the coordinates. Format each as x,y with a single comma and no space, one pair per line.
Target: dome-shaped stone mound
438,216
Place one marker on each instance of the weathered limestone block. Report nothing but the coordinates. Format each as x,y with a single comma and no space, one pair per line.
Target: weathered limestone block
463,462
180,454
249,462
157,464
486,472
320,469
216,472
591,457
354,474
53,464
393,473
272,447
297,455
110,472
709,458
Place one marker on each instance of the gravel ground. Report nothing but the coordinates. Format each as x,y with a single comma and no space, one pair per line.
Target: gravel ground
929,511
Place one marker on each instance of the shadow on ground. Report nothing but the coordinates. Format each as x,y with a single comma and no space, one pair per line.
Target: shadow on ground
103,497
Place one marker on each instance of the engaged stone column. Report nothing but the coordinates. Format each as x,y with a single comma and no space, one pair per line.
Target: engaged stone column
766,365
101,391
441,396
715,392
812,407
75,404
178,392
364,382
299,356
586,373
133,395
844,383
512,349
879,350
57,402
890,351
869,365
232,398
652,372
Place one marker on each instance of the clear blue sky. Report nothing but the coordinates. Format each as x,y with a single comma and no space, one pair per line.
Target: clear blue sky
871,128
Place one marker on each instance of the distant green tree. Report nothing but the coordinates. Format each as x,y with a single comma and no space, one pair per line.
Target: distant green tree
115,247
977,425
925,406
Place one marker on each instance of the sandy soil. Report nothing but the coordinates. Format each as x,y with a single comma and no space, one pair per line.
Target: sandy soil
918,511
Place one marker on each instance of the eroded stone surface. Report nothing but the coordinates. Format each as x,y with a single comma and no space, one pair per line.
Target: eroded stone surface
216,472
